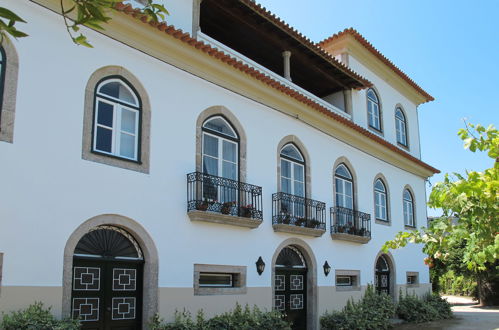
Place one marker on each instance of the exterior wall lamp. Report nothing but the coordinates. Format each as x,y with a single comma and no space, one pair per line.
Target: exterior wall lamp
327,268
260,266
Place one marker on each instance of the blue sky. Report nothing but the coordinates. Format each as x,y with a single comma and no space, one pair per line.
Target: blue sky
450,48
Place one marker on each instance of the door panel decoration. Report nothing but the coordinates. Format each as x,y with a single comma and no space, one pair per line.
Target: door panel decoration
280,283
86,279
87,309
124,279
382,275
296,301
280,302
296,282
124,308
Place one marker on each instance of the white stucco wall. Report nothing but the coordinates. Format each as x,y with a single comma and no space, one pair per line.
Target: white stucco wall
49,190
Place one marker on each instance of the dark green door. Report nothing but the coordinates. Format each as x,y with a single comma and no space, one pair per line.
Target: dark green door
290,295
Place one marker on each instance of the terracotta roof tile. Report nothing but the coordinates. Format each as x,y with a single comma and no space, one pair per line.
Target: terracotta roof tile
213,52
354,33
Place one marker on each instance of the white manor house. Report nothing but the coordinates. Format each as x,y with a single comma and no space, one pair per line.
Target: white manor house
222,157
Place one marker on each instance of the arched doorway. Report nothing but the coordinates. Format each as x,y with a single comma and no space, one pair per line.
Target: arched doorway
290,286
107,280
382,275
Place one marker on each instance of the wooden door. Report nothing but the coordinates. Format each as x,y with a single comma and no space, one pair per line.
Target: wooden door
290,295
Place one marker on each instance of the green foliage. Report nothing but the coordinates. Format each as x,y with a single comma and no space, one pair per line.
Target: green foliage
373,311
36,317
237,319
77,13
411,308
453,284
8,20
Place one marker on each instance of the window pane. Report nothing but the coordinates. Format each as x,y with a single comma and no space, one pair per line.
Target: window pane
219,125
119,91
210,165
104,139
298,172
127,145
229,151
299,189
210,145
285,168
341,170
105,114
286,185
291,152
339,186
128,121
215,280
229,170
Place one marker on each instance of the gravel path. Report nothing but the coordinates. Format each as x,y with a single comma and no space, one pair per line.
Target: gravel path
468,316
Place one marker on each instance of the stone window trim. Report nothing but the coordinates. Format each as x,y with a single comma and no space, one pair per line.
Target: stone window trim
239,286
8,106
414,214
220,110
291,139
402,146
416,284
352,273
351,169
380,131
388,222
144,127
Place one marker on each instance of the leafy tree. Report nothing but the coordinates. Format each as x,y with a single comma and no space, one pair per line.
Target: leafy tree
469,227
91,13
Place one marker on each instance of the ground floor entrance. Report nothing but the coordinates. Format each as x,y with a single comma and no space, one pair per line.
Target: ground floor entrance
382,276
107,281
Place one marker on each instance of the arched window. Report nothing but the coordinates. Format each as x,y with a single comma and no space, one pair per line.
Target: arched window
408,209
117,116
380,200
401,127
220,148
373,110
343,187
292,171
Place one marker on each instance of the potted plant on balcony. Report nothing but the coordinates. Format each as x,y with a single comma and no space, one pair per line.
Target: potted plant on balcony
312,223
247,210
227,207
300,221
285,218
341,229
203,205
362,232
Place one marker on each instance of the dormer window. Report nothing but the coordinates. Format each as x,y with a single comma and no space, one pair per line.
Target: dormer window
373,110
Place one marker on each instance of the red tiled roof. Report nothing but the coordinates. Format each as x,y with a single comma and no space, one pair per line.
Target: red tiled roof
213,52
354,33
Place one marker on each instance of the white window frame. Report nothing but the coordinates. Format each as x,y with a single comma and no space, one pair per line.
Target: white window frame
377,202
408,209
292,178
116,130
374,111
349,283
341,197
219,158
230,276
401,127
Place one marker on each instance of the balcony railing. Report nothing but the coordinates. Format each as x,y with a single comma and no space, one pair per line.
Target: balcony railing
260,68
352,222
225,196
298,211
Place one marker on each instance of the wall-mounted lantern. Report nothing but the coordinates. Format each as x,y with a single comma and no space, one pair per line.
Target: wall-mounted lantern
260,266
327,268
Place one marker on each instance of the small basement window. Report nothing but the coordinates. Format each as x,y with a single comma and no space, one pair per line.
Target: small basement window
219,280
412,279
216,280
347,280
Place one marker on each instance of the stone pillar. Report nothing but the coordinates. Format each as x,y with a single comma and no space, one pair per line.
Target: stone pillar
286,55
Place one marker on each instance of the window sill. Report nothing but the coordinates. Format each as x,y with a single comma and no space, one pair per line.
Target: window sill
292,229
409,227
112,160
207,216
383,222
375,130
403,146
350,238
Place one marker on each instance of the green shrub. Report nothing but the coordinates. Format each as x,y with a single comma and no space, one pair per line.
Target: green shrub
373,311
237,319
36,317
411,308
450,283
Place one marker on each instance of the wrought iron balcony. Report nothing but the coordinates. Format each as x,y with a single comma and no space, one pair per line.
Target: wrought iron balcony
298,212
221,198
347,222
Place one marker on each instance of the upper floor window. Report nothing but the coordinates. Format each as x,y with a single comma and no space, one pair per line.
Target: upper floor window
344,187
292,171
117,116
401,127
373,110
408,209
380,200
220,148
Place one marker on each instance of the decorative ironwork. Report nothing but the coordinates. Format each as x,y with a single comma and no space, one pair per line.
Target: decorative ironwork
109,242
296,282
123,308
280,283
280,302
352,222
86,309
290,257
296,301
221,195
298,211
86,279
124,279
